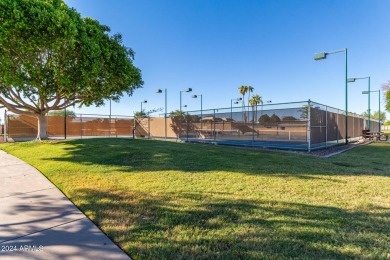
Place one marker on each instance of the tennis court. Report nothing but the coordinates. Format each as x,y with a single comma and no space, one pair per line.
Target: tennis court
301,126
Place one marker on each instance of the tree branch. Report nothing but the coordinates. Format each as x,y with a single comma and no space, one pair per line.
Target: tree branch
17,48
15,109
66,104
20,100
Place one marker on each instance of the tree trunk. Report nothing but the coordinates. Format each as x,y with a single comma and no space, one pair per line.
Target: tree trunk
243,108
249,97
42,128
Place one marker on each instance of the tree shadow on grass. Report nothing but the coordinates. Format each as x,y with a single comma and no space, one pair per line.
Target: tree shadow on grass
206,226
150,155
217,225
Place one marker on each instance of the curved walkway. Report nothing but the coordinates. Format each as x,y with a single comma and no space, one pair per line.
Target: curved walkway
38,222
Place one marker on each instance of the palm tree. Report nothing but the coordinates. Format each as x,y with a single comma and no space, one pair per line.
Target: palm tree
177,113
243,90
249,89
254,101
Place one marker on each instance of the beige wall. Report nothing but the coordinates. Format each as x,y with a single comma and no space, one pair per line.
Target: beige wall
155,127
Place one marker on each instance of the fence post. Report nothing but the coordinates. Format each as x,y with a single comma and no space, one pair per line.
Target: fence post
213,126
148,127
337,126
353,125
65,123
326,126
47,120
109,124
253,126
5,126
134,125
308,127
187,125
165,125
81,125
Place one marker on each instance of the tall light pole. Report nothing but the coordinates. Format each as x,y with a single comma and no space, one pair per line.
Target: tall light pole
184,90
165,114
201,102
379,110
145,101
322,56
201,108
262,103
231,105
369,108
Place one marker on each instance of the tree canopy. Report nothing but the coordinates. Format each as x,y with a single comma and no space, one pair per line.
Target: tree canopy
274,119
177,113
264,119
375,115
386,91
144,113
52,58
69,113
255,100
289,118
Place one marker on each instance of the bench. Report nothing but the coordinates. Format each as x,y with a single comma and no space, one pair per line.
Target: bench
383,137
377,136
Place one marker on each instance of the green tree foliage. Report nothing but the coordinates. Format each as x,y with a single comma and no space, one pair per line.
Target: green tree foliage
52,58
140,114
264,119
254,101
288,118
274,119
177,113
144,113
243,90
69,113
387,100
386,94
375,115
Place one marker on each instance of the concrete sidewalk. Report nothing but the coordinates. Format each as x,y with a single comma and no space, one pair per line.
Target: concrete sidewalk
38,222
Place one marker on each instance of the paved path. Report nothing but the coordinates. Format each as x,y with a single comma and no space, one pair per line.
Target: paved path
38,222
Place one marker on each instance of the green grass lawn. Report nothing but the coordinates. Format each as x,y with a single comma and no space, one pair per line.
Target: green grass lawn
165,200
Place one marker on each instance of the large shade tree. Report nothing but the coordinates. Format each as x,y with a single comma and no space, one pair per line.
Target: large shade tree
52,58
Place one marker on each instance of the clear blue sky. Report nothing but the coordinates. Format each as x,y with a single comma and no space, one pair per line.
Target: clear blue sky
214,46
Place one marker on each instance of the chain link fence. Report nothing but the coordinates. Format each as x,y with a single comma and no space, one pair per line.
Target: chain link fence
296,126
